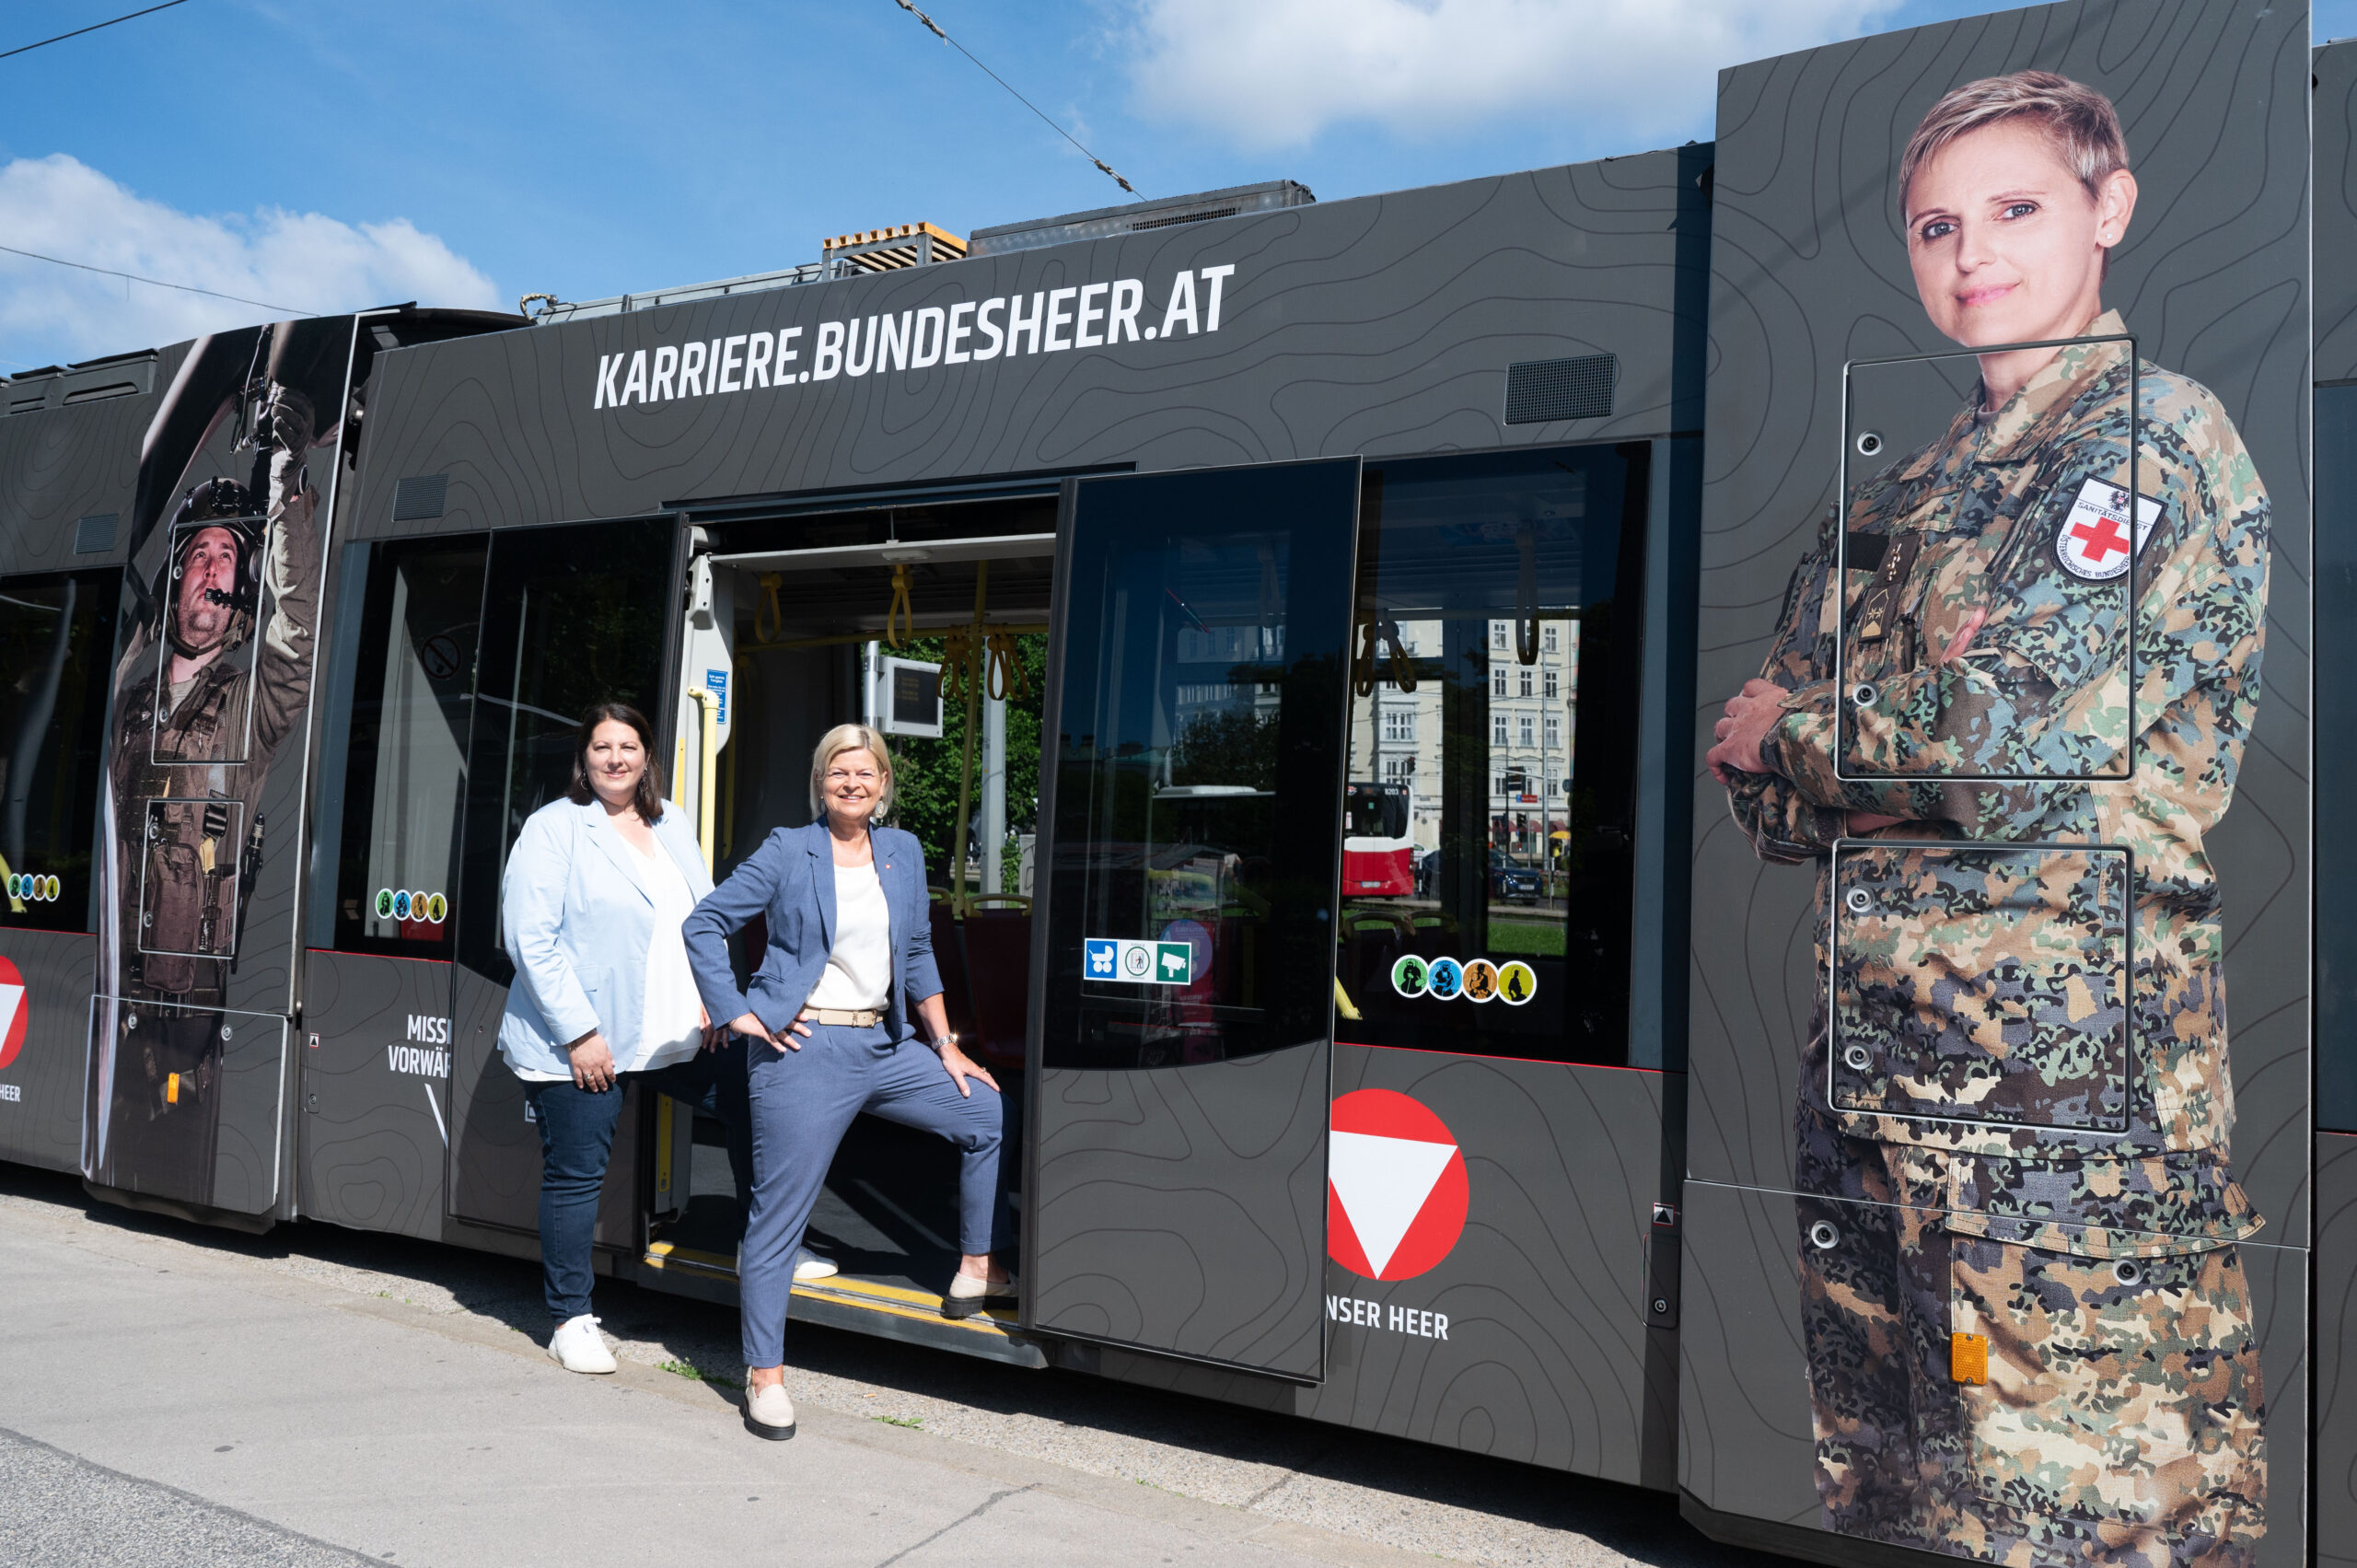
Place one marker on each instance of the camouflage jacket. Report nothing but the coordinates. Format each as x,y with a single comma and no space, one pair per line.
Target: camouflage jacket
188,786
1985,997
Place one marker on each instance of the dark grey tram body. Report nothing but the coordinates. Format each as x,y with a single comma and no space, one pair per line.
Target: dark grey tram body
1316,504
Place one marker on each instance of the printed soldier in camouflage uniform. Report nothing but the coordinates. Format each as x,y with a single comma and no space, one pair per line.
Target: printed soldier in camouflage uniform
2028,1332
199,713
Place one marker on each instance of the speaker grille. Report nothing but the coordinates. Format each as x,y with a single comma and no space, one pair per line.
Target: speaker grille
1539,390
419,498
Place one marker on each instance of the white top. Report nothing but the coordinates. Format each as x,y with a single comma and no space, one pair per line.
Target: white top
859,971
669,1030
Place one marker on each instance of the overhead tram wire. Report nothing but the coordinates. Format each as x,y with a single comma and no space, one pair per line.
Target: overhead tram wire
156,283
77,32
935,27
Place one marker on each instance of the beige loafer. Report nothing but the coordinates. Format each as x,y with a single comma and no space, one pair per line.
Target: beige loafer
768,1412
968,1295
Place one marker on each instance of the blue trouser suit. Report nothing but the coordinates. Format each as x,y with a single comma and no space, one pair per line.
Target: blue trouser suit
803,1102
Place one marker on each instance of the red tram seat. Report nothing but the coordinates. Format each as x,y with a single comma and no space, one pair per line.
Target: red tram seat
998,954
956,986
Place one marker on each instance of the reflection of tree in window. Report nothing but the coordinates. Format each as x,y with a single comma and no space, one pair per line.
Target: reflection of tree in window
1227,745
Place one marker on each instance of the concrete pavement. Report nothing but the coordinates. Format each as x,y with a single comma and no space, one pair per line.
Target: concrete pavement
169,1396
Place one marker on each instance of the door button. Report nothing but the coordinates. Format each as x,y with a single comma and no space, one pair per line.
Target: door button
1858,1058
1859,900
1823,1237
1864,694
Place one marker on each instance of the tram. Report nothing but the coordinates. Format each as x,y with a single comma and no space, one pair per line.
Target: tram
1247,576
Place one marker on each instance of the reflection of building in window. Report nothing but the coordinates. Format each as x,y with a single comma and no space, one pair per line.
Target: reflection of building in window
1526,729
1498,730
1553,675
1498,682
1525,682
1554,731
1497,634
1547,643
1399,723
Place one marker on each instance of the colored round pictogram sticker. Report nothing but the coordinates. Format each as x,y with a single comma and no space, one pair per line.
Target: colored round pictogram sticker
384,903
1481,979
1408,975
437,908
1518,983
16,886
55,888
1395,1186
401,904
1447,979
17,1002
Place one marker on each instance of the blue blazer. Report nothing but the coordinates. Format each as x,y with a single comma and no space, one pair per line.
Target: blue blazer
791,879
577,924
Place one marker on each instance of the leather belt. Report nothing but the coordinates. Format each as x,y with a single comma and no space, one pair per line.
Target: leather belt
861,1018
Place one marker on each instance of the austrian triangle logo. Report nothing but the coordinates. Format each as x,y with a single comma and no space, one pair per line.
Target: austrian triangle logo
1396,1189
13,1012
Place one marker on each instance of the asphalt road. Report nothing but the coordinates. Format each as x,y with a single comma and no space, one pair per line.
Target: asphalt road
171,1396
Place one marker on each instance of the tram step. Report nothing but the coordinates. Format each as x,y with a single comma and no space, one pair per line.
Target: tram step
865,1306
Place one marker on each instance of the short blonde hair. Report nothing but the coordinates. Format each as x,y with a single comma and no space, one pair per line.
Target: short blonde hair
2080,124
834,743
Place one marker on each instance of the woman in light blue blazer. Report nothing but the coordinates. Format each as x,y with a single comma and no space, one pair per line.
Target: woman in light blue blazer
845,1015
591,904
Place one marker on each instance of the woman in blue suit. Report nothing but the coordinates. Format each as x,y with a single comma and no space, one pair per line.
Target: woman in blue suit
846,1016
591,904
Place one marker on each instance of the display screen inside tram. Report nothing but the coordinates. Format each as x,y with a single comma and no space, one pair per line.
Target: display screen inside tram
1486,864
56,643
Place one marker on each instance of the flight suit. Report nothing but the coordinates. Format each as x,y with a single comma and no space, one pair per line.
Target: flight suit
2017,1077
189,837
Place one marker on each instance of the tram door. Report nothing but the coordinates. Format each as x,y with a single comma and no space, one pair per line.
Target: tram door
572,615
1182,1013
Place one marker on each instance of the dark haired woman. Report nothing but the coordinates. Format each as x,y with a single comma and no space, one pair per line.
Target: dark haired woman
595,890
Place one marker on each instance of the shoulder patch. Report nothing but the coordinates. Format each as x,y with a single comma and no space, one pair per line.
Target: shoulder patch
2093,541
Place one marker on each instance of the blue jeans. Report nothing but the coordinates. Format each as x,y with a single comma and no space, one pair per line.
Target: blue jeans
803,1102
577,1141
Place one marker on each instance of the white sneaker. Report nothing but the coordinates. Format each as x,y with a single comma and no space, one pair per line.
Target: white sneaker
808,1265
768,1412
577,1346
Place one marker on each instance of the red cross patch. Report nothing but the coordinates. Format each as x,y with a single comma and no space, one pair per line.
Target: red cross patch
2095,542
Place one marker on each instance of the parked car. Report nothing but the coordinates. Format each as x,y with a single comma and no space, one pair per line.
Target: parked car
1511,879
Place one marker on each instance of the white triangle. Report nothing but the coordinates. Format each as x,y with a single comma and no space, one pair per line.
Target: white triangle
1383,1183
12,997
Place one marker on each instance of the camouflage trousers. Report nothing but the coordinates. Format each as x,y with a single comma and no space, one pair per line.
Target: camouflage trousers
2121,1424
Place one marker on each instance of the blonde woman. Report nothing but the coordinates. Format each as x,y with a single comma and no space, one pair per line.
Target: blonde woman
844,1015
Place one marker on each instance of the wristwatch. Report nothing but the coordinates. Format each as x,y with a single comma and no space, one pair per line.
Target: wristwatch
934,1045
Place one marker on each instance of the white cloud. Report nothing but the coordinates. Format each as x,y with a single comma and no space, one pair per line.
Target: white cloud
59,206
1267,73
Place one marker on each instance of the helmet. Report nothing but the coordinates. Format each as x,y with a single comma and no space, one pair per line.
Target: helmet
217,504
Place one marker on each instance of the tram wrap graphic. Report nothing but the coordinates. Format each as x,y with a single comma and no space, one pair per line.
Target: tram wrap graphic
1396,1187
16,1008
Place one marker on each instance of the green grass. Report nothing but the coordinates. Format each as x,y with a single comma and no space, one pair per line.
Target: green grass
1526,938
908,1420
690,1371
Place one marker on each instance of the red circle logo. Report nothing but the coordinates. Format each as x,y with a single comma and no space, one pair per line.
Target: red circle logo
1395,1190
14,1007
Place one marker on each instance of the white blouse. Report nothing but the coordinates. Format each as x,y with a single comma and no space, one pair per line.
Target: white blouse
670,1030
859,970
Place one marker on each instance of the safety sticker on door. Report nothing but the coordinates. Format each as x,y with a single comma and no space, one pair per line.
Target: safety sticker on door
1138,963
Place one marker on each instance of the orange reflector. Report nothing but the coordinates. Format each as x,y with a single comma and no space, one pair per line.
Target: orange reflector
172,1089
1969,1358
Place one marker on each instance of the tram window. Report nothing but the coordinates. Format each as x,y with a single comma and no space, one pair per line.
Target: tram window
56,646
1513,861
406,762
571,616
1198,766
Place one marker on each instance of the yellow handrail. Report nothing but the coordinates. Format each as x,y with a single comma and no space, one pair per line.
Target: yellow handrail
708,724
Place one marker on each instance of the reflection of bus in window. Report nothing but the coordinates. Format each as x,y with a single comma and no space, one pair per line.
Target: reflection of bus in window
1379,848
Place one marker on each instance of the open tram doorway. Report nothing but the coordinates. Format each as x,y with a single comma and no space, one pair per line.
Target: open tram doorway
927,619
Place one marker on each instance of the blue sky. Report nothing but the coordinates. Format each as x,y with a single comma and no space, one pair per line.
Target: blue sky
335,155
